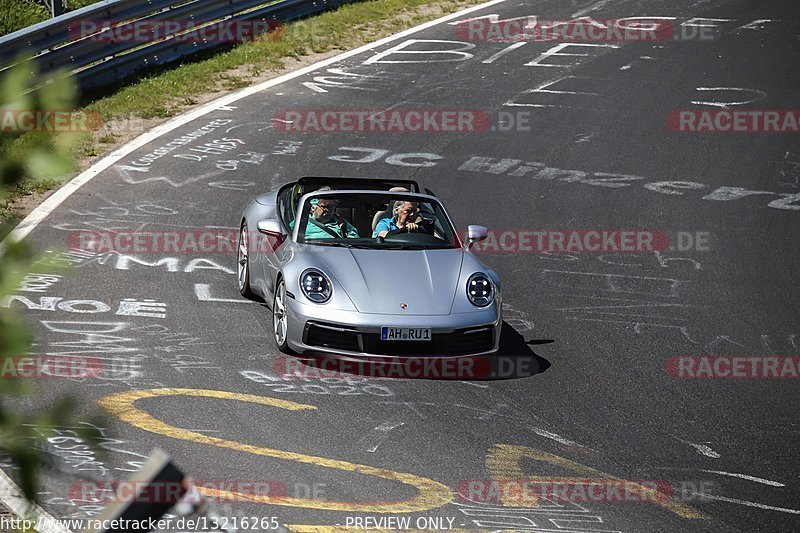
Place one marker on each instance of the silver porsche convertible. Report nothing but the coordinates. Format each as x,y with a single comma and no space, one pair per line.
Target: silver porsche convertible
367,268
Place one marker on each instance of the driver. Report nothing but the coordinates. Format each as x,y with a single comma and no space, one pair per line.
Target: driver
405,213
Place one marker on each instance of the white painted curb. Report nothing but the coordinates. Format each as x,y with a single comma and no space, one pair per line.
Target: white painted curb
12,497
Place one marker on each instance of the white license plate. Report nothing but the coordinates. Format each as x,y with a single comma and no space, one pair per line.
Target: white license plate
405,334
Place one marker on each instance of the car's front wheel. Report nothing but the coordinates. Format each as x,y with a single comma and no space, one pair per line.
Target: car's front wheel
280,319
243,260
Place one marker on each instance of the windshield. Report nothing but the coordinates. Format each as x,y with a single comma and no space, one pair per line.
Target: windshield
375,220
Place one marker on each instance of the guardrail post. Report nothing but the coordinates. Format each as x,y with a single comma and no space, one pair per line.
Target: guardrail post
57,7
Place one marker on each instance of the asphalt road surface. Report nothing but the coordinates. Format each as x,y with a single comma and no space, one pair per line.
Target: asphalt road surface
577,139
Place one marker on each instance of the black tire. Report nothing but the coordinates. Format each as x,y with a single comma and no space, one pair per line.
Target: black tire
243,263
281,344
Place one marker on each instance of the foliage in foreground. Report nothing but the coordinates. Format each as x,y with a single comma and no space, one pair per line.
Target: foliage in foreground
42,156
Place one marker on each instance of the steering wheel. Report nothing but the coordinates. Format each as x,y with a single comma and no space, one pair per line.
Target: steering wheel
423,221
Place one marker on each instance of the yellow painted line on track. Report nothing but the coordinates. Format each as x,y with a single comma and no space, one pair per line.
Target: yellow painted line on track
431,494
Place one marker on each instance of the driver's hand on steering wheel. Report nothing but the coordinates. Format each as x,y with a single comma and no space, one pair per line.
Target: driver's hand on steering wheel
411,226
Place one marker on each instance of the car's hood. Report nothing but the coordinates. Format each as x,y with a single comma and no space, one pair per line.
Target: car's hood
379,281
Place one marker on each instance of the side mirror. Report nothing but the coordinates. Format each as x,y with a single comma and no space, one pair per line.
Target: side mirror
476,234
275,235
270,227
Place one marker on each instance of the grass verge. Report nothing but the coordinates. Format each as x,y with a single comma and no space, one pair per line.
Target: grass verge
139,105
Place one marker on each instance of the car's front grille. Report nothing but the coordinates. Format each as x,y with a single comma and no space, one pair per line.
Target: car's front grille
459,342
331,337
467,341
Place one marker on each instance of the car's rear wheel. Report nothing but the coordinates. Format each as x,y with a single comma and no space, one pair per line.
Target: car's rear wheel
280,319
243,260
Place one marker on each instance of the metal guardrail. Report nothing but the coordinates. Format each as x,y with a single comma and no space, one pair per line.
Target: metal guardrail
58,45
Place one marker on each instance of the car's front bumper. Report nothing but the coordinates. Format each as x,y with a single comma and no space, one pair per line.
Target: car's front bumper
315,329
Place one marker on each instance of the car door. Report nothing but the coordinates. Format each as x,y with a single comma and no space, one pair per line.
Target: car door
276,253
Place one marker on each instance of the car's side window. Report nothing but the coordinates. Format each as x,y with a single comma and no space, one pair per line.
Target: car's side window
285,208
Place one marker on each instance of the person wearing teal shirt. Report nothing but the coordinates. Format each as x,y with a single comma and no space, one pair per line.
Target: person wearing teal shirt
324,223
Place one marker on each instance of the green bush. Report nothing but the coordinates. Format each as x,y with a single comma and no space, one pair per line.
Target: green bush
17,14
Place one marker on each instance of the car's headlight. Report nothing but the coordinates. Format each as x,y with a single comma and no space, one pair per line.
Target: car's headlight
480,290
316,286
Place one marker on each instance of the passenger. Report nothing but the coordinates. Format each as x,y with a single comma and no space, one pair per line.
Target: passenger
404,215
